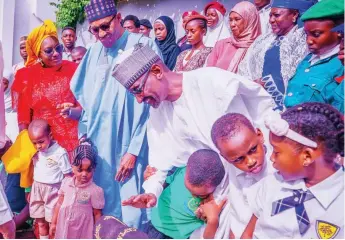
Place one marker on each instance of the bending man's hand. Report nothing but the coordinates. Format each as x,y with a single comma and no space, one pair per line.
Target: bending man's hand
126,167
146,200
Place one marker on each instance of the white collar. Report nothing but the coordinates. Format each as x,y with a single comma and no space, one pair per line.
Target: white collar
265,8
325,192
315,58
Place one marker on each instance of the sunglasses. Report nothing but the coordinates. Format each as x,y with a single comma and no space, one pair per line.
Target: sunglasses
140,88
104,27
50,51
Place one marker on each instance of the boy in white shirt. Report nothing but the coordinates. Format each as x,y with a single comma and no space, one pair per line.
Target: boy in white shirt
51,165
242,146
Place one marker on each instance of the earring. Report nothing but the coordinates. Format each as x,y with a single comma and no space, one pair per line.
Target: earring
41,62
294,20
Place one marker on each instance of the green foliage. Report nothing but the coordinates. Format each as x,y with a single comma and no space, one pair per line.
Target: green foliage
70,12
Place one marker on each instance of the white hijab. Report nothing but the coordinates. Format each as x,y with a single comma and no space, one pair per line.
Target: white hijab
7,94
218,32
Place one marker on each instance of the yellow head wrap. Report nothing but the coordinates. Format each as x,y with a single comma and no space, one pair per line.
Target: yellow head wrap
35,39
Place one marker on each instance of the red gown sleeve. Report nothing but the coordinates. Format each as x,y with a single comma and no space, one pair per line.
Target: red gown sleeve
20,96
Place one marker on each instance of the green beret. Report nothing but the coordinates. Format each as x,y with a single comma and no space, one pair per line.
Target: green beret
329,9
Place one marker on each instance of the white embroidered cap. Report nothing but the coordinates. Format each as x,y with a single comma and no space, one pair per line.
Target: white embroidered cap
133,63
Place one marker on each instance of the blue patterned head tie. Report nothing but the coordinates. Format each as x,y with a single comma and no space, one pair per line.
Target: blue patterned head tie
99,9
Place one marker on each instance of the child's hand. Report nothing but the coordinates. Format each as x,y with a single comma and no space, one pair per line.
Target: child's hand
126,167
146,200
149,171
211,210
65,109
52,230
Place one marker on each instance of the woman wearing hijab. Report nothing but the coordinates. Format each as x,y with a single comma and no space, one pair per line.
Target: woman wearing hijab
44,84
273,57
217,29
245,27
166,40
10,114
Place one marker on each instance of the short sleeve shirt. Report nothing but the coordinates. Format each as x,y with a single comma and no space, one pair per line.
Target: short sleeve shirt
50,166
239,209
325,211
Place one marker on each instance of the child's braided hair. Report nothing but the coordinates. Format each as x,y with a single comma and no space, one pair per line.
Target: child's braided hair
321,123
85,150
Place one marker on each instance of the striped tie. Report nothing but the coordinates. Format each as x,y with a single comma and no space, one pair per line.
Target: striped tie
296,201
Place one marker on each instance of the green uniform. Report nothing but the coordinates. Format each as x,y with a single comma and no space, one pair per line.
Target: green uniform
317,83
174,215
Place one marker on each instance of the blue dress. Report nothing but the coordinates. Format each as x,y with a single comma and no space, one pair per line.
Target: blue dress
115,123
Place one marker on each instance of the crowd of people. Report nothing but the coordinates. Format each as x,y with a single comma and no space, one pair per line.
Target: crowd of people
234,130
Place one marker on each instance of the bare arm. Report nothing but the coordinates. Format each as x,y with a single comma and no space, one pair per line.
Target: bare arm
248,232
211,228
232,235
56,215
97,213
21,218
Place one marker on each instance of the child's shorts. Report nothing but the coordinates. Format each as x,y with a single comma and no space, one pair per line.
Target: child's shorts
43,199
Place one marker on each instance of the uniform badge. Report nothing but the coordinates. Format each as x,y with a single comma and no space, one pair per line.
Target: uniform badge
326,230
192,205
83,197
51,162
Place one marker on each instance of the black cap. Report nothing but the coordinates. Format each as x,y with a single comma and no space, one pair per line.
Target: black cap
146,23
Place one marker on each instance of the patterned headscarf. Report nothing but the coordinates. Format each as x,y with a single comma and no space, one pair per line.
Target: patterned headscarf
35,39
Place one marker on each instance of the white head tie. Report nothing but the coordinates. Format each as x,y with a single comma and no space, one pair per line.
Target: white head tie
280,127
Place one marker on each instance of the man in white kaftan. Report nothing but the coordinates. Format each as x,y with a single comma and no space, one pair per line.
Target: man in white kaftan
186,106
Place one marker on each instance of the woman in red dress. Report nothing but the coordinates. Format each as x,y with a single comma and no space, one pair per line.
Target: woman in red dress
43,85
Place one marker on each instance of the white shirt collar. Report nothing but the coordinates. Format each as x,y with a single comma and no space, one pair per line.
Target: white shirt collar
265,8
329,189
325,192
315,58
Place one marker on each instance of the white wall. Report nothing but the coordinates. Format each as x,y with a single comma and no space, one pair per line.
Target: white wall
7,9
28,15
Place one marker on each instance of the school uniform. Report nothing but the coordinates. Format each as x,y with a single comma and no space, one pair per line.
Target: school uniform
284,211
240,212
314,81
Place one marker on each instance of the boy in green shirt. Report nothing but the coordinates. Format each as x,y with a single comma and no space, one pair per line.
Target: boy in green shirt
188,188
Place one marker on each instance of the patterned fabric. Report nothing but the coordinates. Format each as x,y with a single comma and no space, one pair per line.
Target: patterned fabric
35,39
293,49
133,64
37,91
196,61
296,201
98,9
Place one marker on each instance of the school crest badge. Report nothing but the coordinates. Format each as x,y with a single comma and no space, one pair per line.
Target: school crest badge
326,230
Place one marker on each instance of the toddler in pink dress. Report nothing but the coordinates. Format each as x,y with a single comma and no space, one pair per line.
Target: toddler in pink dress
75,215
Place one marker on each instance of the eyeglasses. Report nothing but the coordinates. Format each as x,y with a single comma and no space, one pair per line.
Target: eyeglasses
140,88
104,27
50,51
